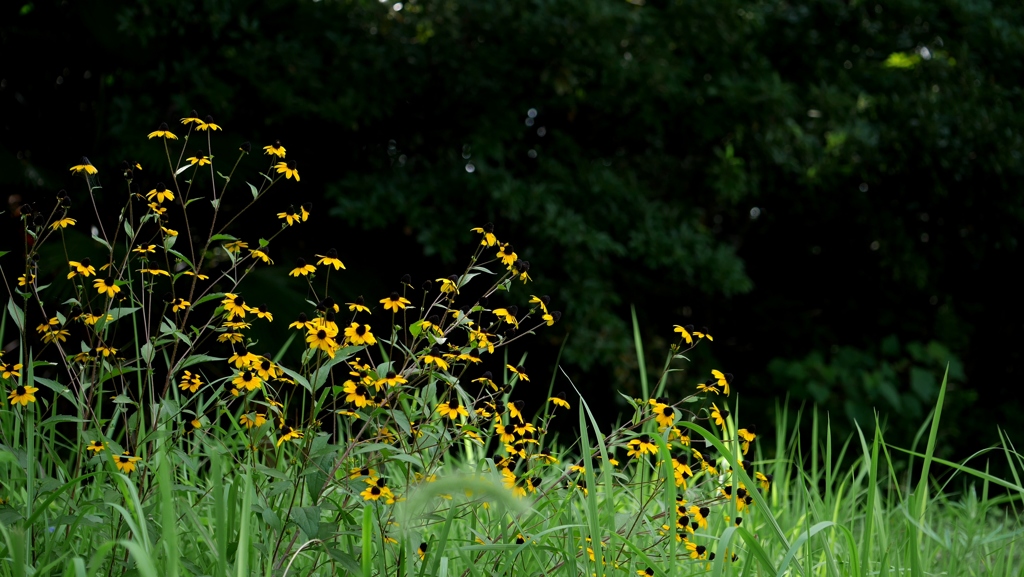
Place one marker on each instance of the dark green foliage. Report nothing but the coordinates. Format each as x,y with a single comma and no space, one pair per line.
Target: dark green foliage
757,165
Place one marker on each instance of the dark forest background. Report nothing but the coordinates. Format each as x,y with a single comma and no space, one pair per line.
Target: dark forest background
832,187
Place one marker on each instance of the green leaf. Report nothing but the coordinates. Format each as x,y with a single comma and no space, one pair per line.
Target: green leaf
297,378
192,360
252,188
17,315
101,241
207,298
182,257
308,519
146,352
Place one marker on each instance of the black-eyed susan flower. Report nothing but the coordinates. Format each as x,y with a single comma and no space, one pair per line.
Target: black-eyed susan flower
452,409
48,325
144,249
160,194
703,334
361,472
234,306
331,258
83,166
700,515
105,351
301,323
521,269
8,370
247,380
262,312
106,286
747,435
62,222
162,131
190,382
723,380
192,425
262,254
394,302
179,304
289,169
763,480
431,324
506,433
485,380
507,254
199,159
488,231
290,216
525,430
435,357
359,305
323,339
664,414
552,318
696,551
357,394
449,285
559,401
154,272
91,319
235,246
357,334
23,395
685,333
250,420
207,124
243,357
267,370
681,470
507,315
519,372
289,434
640,446
391,379
26,280
275,149
718,415
422,551
541,301
515,410
708,387
648,572
193,117
96,446
169,231
83,267
126,462
156,208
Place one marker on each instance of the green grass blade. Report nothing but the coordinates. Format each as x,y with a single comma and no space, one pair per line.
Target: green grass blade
644,387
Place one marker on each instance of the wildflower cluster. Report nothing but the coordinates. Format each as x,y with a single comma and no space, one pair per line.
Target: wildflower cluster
384,395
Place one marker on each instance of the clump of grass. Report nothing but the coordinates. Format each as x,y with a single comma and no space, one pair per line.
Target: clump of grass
155,435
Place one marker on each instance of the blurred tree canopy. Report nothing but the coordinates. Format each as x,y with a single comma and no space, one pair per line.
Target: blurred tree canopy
832,187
